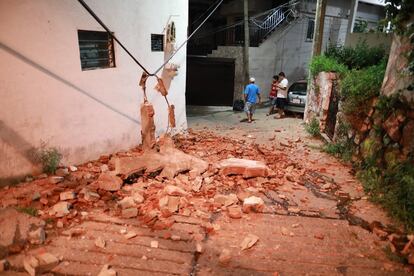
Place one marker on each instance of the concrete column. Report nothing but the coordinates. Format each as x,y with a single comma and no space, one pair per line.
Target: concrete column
352,14
319,26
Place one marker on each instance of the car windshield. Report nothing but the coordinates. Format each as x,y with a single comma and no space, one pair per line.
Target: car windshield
298,88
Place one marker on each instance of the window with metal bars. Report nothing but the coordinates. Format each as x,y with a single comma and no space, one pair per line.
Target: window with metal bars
96,50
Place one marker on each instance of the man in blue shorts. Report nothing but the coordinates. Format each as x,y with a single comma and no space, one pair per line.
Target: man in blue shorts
251,93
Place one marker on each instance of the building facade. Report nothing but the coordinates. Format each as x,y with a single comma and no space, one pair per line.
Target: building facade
65,84
288,47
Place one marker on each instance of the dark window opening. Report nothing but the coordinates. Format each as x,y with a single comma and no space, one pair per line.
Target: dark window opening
96,50
157,42
311,29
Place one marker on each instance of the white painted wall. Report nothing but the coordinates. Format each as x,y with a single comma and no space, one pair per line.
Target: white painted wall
45,96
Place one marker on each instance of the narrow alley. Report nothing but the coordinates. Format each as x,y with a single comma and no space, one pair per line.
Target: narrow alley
309,216
206,137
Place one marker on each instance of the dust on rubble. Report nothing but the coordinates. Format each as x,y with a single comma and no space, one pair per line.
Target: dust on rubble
194,175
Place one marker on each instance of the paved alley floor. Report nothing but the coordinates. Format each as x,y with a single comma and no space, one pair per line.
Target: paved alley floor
315,218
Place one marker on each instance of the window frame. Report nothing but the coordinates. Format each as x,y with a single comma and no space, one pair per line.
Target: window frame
310,34
110,49
157,37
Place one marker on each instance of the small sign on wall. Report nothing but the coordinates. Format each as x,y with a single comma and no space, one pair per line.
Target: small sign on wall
157,42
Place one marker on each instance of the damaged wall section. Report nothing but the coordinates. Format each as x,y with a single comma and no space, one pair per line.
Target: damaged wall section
47,97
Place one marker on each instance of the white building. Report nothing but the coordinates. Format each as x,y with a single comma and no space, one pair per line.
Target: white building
84,108
288,46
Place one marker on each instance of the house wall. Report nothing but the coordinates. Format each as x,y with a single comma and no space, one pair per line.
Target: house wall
235,7
45,96
288,50
372,40
235,52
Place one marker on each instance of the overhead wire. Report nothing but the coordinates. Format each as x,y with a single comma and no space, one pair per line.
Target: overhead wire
189,37
206,11
92,13
252,19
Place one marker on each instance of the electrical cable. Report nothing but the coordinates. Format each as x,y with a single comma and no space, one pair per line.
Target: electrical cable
189,37
91,12
201,16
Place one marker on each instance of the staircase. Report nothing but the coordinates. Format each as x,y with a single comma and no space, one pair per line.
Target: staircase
260,30
261,26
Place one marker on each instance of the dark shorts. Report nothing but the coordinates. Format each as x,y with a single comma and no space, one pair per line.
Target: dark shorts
281,103
273,100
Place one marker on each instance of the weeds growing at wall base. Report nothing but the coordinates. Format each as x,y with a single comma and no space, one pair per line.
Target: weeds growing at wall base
49,157
313,128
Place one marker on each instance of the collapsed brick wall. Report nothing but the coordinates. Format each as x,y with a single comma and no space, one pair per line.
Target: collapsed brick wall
391,129
388,127
318,98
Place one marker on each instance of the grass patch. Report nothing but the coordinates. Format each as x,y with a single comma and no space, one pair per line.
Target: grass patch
358,57
31,211
49,157
343,147
313,128
342,150
359,86
393,188
326,64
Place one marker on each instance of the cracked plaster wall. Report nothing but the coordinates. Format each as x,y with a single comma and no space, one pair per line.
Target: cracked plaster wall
45,96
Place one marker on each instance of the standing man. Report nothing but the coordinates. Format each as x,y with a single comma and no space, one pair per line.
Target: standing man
251,93
282,88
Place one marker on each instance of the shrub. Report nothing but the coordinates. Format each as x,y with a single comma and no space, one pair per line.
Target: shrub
49,157
393,188
313,127
343,147
325,64
359,86
361,56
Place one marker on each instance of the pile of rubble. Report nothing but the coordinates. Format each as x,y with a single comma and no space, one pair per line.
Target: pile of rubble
194,175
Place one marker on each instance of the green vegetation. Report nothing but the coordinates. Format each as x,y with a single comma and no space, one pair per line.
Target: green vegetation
343,147
387,175
393,187
313,127
325,64
387,105
31,211
358,57
49,157
360,86
340,150
361,26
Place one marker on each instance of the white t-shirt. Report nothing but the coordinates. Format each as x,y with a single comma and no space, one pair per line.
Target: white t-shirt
283,93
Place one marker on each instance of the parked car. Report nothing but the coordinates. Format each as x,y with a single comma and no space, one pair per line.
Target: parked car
297,96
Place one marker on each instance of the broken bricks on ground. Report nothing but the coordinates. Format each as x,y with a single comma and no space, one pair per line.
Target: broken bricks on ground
194,175
148,185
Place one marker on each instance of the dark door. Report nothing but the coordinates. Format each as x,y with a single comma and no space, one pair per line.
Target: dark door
210,81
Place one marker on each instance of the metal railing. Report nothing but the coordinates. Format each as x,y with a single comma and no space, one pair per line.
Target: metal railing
259,31
260,25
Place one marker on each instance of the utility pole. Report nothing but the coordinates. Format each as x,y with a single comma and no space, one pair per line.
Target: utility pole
246,41
319,25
